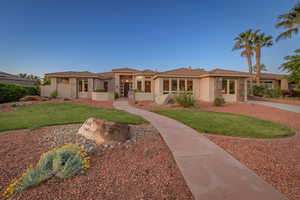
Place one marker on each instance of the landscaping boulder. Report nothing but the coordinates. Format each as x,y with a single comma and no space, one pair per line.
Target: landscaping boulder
103,131
163,99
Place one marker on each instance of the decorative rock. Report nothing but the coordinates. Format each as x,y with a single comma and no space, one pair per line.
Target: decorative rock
163,99
102,131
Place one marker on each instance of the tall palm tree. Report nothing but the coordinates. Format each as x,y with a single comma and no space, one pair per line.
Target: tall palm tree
244,42
260,40
289,21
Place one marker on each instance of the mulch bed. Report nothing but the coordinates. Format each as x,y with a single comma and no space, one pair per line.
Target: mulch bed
277,161
284,101
145,170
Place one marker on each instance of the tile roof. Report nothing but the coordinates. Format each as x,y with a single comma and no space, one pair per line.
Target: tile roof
125,69
184,72
273,76
106,75
71,74
228,72
147,72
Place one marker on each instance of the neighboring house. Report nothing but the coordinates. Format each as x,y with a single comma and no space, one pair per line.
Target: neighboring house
9,78
148,84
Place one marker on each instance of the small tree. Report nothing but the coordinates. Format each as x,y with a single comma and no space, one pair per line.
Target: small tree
292,65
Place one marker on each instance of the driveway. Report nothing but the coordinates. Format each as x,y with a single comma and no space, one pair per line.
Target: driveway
288,107
209,171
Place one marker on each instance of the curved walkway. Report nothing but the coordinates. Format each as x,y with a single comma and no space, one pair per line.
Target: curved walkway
209,171
282,106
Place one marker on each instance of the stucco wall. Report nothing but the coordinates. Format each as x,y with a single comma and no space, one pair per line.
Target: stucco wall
102,96
141,96
284,84
64,90
46,90
207,89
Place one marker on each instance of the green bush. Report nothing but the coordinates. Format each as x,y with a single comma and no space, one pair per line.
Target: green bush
65,162
262,91
13,92
54,94
116,95
185,99
272,93
258,90
46,82
219,101
100,90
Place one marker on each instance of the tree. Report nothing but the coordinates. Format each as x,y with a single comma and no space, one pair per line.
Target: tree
260,40
30,77
244,42
289,21
262,67
292,65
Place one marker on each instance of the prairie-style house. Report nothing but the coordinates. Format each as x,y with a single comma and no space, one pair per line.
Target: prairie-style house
148,84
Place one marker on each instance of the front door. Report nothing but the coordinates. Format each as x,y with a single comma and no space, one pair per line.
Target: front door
126,89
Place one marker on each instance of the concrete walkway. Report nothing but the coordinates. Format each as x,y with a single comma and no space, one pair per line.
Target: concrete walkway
288,107
209,171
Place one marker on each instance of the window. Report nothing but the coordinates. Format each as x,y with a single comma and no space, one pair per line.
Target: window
174,84
139,85
182,84
105,85
166,85
231,87
228,86
63,80
189,85
147,86
83,85
224,86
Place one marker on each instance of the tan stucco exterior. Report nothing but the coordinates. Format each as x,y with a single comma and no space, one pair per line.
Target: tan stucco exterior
206,85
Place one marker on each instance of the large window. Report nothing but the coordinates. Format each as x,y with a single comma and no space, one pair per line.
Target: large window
189,85
182,84
231,87
139,85
166,85
174,84
105,86
228,86
83,85
147,86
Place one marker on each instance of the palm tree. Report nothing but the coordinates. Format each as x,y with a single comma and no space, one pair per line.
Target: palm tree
260,41
289,21
262,67
292,65
244,42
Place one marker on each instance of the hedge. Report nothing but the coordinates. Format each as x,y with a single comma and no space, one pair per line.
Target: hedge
13,92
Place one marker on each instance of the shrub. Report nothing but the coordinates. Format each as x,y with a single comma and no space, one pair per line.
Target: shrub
67,161
13,92
54,94
219,101
185,99
116,95
273,93
46,82
258,90
100,90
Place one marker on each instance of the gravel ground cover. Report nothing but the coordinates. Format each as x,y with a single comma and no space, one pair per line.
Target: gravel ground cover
142,168
275,160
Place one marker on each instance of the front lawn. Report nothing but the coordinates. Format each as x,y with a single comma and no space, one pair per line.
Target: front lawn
228,124
37,115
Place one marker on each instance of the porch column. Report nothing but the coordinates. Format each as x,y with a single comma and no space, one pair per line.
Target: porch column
185,84
73,84
170,85
90,87
177,84
245,90
143,85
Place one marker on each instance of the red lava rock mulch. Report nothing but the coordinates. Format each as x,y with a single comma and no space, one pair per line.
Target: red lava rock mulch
277,161
89,102
145,170
284,101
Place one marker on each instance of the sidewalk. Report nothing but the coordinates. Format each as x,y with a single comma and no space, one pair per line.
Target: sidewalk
288,107
209,171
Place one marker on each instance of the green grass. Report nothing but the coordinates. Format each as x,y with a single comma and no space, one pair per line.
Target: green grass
228,124
38,115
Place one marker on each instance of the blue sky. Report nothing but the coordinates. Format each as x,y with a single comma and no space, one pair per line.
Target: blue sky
39,36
